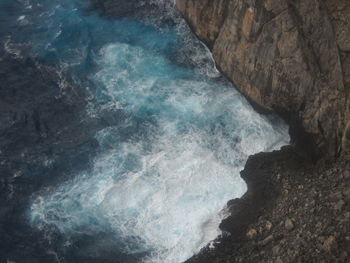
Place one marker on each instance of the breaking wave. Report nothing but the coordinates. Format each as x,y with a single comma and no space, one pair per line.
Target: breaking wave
162,177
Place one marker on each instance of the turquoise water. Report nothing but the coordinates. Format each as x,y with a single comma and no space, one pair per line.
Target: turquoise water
163,175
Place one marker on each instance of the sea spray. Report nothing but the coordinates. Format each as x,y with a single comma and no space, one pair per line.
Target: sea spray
165,172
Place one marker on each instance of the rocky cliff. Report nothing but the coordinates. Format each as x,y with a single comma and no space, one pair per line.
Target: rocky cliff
290,56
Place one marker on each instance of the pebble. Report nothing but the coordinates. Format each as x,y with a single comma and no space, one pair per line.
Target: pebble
288,224
252,233
268,225
329,244
267,240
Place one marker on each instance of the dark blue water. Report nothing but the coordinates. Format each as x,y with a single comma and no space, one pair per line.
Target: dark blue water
154,137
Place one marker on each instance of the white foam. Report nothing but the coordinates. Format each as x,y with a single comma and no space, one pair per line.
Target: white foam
168,169
168,188
12,48
21,18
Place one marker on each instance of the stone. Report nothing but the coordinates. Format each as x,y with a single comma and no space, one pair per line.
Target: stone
268,225
251,234
276,250
339,205
288,224
267,240
329,244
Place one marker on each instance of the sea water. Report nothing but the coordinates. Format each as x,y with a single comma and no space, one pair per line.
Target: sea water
159,185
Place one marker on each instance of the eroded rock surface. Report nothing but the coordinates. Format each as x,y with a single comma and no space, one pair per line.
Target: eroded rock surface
288,56
293,57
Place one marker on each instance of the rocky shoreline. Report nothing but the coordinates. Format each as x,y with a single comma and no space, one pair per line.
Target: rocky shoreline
297,207
291,57
295,210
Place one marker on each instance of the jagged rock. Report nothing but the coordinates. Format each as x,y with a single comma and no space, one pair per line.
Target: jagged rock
291,57
308,241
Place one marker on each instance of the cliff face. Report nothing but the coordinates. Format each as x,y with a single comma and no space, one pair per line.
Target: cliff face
289,56
293,57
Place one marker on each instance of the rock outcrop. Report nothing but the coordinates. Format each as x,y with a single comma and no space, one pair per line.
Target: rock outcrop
294,211
290,56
